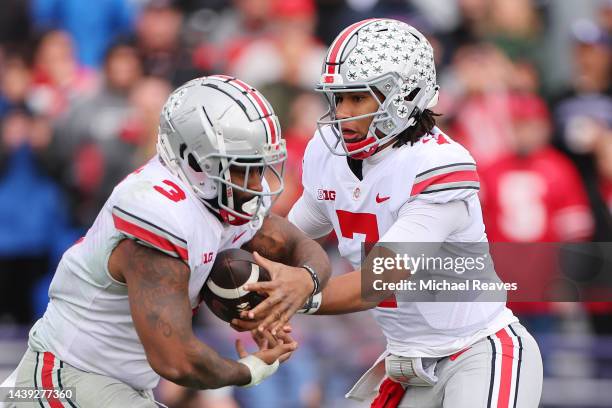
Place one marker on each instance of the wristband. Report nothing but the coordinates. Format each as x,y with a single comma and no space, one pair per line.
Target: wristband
315,279
312,304
258,368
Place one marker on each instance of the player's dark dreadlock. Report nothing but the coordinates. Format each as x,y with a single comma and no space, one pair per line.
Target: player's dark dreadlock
425,122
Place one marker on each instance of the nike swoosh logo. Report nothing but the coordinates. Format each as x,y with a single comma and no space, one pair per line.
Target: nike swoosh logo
380,199
237,237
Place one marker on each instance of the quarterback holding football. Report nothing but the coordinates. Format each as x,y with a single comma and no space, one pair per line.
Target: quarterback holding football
379,171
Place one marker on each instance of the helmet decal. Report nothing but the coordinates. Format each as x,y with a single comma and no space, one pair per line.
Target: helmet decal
335,50
383,57
261,105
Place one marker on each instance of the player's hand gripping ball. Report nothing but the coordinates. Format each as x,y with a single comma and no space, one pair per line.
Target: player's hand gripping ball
223,292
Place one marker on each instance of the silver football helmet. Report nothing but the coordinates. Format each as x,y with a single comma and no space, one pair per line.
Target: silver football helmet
382,55
215,123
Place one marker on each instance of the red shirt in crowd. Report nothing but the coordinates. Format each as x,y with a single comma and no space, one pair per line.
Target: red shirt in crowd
535,198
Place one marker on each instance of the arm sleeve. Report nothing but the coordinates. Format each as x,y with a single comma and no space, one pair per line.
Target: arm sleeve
422,222
307,215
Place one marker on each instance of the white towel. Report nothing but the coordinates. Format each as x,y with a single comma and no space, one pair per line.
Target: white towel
367,386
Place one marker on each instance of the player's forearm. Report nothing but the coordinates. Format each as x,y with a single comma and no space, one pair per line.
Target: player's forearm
159,303
281,241
343,295
206,369
307,251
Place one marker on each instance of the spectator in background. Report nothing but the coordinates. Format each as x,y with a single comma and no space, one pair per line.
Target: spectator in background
146,101
58,78
14,23
15,80
227,32
75,157
474,16
472,26
33,218
603,157
534,194
304,112
100,116
601,204
583,116
158,38
133,145
515,27
478,84
93,24
588,101
246,20
605,16
287,62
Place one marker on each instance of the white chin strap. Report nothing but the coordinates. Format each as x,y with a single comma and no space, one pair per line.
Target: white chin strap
252,207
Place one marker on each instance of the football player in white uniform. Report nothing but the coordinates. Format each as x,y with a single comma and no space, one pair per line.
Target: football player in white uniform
123,297
379,170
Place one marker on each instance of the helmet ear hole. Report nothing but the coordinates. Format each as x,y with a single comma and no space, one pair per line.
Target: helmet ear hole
193,163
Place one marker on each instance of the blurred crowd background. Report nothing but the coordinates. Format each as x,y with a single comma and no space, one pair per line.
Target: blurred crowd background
525,86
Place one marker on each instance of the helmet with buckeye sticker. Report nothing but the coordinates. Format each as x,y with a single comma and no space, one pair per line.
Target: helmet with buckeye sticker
383,57
215,124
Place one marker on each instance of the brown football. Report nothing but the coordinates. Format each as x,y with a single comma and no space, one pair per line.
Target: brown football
223,292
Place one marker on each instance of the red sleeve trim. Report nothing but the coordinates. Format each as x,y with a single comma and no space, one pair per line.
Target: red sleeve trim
151,238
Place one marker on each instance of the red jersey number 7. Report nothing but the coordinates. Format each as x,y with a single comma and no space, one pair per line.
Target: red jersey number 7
362,223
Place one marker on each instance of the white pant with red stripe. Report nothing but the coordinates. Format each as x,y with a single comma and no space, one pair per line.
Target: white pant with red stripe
44,371
503,370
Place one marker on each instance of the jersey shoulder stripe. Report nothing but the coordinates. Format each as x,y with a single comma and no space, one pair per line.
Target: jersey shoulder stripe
150,234
448,177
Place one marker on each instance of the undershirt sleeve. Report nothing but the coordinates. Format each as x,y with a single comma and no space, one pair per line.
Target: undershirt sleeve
421,222
309,217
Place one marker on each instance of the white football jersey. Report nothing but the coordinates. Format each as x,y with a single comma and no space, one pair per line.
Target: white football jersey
435,169
88,323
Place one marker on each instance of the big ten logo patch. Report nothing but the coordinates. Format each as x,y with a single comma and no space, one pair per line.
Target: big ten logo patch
326,195
207,257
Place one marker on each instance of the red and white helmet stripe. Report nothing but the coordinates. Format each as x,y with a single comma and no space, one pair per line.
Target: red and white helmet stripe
335,50
262,107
